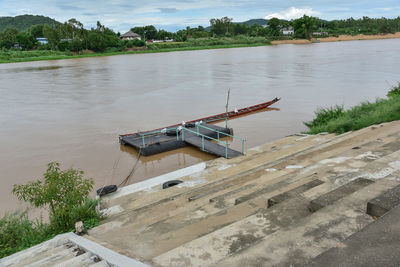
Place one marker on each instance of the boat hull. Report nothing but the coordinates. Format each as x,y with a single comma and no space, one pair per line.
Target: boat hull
219,117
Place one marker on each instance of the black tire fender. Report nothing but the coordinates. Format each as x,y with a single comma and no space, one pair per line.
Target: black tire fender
171,183
106,190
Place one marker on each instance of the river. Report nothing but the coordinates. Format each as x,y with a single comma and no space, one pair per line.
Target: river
72,111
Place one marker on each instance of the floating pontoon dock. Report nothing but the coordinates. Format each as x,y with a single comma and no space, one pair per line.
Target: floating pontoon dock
200,136
197,133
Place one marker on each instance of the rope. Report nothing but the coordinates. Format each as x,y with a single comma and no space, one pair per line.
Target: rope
133,169
116,162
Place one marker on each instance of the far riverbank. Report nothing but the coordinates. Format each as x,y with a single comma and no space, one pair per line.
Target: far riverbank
339,38
26,56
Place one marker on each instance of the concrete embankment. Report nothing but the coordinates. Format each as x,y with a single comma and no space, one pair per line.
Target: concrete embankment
300,200
285,203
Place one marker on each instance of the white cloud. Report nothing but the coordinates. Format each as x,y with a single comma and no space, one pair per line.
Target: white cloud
384,9
293,13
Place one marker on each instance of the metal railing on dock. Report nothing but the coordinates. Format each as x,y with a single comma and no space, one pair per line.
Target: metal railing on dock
203,136
225,134
142,135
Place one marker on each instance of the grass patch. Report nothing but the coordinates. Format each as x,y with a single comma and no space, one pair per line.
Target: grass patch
337,120
211,42
18,232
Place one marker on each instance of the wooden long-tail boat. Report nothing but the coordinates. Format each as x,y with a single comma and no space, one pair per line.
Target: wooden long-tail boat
221,116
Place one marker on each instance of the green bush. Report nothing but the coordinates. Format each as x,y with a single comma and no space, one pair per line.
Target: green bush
85,212
60,191
394,91
137,42
65,193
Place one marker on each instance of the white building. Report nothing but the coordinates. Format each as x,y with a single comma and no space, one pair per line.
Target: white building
130,36
42,40
288,31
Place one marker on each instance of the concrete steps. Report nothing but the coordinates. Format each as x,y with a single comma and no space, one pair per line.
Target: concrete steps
175,202
174,231
375,245
222,168
246,222
255,209
218,175
69,250
60,253
312,235
214,176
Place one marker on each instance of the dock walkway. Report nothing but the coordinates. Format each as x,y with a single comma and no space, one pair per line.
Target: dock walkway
211,147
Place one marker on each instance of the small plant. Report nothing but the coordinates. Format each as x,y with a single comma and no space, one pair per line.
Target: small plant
394,91
65,193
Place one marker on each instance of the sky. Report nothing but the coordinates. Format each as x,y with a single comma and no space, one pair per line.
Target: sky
172,15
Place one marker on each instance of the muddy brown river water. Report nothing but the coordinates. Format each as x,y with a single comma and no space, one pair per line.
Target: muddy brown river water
72,111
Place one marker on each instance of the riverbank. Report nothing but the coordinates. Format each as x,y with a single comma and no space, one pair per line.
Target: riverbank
24,56
339,39
37,55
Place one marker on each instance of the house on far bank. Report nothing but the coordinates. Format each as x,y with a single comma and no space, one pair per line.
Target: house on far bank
17,46
42,40
288,31
130,36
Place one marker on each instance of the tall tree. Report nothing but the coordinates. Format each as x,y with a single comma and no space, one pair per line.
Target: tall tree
51,35
36,30
241,28
304,26
222,26
8,38
26,39
150,32
274,27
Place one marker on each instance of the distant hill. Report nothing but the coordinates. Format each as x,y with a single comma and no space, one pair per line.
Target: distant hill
24,22
250,22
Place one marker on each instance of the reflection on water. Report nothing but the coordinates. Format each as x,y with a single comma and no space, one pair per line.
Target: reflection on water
28,69
72,111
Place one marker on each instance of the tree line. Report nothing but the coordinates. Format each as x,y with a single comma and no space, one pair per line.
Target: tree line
72,36
306,27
